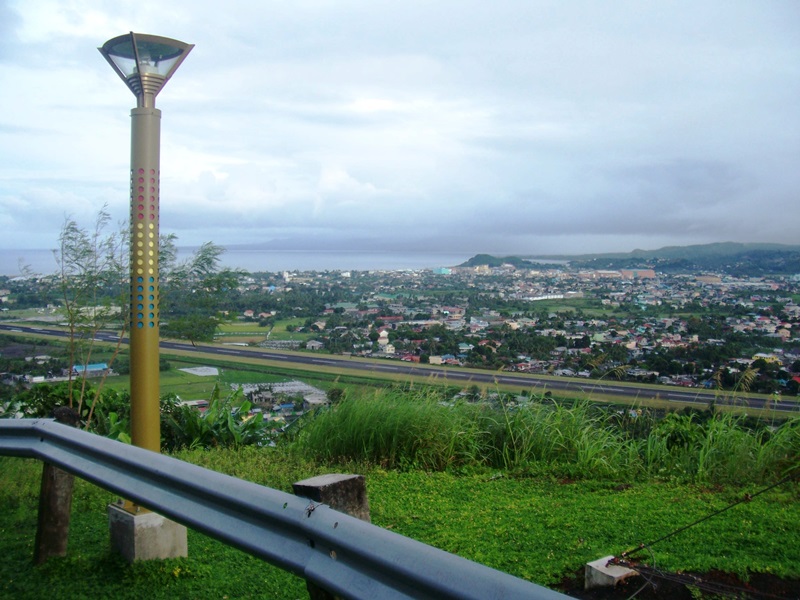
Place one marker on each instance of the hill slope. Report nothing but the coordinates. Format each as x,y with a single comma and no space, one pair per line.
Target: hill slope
727,257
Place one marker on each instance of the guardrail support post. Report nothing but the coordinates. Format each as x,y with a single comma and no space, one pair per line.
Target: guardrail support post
55,503
345,493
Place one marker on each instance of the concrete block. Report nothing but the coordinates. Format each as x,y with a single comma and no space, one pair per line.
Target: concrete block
599,573
345,493
145,536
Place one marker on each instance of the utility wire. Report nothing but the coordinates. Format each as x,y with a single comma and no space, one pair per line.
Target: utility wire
649,572
745,498
707,586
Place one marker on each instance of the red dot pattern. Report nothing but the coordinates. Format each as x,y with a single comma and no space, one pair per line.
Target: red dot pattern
144,247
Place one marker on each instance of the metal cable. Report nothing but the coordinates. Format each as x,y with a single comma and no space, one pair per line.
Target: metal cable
718,588
647,580
745,498
732,591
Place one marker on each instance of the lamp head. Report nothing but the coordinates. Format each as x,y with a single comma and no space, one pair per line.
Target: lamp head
145,62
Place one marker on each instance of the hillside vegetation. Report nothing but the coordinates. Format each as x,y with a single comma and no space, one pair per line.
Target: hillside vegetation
729,257
533,488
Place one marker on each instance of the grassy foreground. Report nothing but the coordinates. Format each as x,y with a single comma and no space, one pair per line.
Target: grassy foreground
539,528
529,486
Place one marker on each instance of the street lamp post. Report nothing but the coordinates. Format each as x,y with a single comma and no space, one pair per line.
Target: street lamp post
145,63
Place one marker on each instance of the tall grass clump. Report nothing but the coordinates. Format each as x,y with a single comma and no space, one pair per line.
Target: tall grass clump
417,429
395,429
572,439
720,449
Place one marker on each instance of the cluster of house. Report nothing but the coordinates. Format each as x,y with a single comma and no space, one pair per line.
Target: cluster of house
78,371
283,402
761,306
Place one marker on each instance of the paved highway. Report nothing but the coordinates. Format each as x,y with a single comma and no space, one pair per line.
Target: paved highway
582,387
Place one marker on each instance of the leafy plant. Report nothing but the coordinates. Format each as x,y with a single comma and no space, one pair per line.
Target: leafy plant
118,428
227,422
41,399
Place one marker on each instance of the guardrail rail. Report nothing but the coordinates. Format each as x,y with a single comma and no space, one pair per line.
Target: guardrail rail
339,553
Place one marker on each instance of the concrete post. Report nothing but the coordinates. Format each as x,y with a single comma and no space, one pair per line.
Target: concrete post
55,502
345,493
603,573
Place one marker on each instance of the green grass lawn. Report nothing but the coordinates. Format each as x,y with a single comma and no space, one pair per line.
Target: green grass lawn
280,330
537,528
250,331
195,387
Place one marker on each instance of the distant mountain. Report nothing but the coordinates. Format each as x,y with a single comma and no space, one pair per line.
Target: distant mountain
726,257
719,249
520,263
488,260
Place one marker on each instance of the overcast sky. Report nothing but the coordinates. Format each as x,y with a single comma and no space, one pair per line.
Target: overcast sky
506,127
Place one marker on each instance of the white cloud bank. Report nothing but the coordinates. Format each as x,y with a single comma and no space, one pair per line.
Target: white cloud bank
510,127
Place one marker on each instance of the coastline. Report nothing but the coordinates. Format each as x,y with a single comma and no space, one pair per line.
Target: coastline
42,262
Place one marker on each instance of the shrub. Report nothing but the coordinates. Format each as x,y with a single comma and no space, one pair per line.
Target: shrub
226,422
397,429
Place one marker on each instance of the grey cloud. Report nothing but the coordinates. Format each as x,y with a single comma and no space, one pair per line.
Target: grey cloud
11,129
520,124
701,180
9,21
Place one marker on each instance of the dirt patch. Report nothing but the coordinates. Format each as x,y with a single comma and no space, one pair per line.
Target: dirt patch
727,585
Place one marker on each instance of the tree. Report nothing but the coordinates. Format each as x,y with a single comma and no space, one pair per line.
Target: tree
91,275
92,288
194,292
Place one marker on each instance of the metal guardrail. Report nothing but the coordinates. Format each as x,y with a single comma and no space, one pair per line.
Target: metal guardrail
339,553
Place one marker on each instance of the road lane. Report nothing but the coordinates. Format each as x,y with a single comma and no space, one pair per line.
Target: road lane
527,380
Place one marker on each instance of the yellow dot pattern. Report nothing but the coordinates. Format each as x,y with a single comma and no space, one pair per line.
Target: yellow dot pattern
144,248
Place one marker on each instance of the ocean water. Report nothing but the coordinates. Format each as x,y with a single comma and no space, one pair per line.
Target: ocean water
43,261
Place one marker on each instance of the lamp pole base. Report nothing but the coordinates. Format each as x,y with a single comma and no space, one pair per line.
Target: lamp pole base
145,536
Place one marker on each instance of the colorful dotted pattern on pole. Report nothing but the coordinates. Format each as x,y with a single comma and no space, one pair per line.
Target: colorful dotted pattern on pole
144,248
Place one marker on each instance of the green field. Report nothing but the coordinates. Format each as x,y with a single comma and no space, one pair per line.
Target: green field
251,332
536,528
197,387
